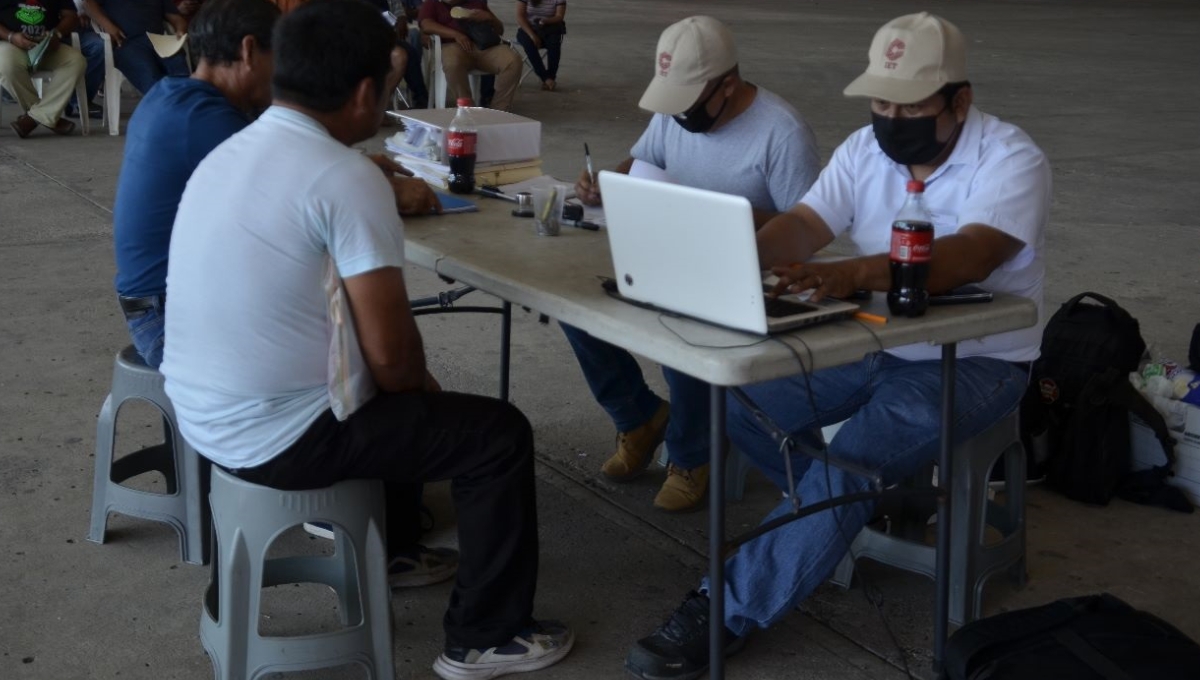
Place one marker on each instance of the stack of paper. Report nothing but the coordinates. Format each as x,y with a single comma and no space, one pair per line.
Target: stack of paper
437,174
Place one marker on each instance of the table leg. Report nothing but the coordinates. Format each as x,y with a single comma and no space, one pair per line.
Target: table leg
505,347
942,611
718,447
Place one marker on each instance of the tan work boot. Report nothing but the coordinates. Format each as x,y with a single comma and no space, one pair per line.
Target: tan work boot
636,447
683,490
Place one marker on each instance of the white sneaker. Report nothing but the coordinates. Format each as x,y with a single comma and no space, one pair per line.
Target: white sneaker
543,644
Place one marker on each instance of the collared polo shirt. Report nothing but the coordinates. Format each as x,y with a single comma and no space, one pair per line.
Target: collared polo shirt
995,176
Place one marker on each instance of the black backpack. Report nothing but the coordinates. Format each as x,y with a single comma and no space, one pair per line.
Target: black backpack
1078,403
1081,638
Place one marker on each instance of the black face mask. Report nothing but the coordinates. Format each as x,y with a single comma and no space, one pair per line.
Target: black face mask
909,141
697,118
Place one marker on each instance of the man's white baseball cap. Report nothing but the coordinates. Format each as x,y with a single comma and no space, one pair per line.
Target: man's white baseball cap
912,57
690,53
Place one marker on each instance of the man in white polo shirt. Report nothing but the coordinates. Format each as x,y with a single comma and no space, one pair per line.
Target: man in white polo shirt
293,359
988,187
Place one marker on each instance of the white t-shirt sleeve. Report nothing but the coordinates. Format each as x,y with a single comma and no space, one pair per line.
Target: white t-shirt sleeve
832,195
1012,194
356,213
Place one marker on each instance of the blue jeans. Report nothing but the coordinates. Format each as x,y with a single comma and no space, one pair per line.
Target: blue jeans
617,383
141,65
892,409
146,328
553,45
413,76
92,46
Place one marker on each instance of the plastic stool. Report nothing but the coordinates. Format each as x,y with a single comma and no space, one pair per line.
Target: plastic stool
246,520
183,505
971,512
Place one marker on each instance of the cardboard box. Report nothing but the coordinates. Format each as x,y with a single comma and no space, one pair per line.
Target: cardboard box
502,136
1147,452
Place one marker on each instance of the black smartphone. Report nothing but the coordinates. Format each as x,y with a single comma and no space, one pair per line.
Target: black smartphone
962,295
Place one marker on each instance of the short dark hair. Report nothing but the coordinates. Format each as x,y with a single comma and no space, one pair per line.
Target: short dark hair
950,89
215,34
325,48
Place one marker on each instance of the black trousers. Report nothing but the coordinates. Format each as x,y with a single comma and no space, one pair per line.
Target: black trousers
485,447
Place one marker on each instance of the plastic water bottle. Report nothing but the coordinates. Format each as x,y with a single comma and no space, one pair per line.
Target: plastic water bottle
912,249
460,149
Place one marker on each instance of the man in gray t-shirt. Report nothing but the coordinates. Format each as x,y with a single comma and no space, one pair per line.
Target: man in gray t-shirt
711,130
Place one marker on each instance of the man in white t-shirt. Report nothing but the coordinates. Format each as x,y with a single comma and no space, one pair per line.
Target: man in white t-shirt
711,130
988,188
294,379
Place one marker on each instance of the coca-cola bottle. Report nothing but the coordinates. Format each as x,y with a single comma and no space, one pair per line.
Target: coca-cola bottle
460,149
912,249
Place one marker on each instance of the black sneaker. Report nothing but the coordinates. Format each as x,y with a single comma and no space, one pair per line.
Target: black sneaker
679,648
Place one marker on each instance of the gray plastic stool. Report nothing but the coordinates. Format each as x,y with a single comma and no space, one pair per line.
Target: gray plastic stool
183,505
971,561
246,520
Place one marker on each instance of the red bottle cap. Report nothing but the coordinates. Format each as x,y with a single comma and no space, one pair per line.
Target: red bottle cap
464,101
916,186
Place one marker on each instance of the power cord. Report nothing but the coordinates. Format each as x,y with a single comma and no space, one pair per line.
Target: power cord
873,595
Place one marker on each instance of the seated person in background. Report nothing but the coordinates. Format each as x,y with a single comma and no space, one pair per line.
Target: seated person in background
93,76
542,25
449,21
127,22
988,188
23,27
410,39
711,130
286,218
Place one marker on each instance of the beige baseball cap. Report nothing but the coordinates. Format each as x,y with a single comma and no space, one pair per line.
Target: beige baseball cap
912,57
690,53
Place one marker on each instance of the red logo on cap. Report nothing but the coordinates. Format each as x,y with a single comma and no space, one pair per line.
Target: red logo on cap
895,50
664,63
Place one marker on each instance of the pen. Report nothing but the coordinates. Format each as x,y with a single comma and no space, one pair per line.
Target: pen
873,318
584,224
587,156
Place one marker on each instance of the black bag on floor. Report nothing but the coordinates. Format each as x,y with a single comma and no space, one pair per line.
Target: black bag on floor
1097,637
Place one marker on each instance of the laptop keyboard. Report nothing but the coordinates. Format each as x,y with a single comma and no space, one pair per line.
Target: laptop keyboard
778,307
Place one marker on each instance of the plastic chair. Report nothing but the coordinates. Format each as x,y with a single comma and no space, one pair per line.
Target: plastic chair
183,505
246,520
113,78
39,77
972,560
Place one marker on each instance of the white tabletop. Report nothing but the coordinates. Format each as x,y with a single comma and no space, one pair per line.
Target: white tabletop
558,276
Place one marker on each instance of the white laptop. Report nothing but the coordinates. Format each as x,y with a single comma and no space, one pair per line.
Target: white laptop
692,252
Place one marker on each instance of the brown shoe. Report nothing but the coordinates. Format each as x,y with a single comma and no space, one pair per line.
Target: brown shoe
684,489
636,447
23,126
63,127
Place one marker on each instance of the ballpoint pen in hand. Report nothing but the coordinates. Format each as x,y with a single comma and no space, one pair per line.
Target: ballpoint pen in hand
587,157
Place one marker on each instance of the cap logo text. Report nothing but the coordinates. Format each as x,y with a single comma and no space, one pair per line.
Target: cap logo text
664,63
894,51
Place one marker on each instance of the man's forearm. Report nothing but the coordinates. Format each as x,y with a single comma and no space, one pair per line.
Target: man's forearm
68,23
786,239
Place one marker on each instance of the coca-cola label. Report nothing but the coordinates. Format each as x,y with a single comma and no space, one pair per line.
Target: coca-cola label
912,246
460,143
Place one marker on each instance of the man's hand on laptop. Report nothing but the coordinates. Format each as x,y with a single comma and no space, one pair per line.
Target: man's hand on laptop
833,279
587,192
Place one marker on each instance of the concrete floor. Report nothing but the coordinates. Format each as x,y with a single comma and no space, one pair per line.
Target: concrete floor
1106,88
